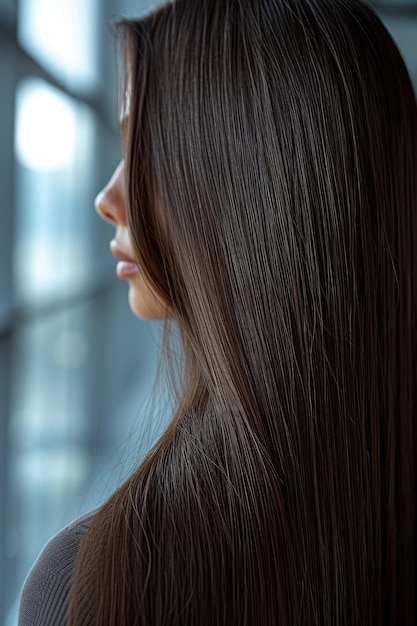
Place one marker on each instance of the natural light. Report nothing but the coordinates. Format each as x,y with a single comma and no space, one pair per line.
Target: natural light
45,127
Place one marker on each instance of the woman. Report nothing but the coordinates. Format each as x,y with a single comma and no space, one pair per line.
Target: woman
266,206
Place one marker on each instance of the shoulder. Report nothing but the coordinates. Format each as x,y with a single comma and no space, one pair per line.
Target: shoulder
45,594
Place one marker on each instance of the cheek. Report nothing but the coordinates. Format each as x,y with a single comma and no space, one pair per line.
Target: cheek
144,302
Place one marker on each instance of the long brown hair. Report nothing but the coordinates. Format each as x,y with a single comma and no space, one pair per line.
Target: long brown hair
271,172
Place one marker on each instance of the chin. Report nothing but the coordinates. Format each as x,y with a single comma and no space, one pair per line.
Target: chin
146,306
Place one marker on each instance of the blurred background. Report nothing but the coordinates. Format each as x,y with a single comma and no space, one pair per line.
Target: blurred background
76,368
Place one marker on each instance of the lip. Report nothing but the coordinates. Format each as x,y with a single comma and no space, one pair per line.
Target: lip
126,266
118,253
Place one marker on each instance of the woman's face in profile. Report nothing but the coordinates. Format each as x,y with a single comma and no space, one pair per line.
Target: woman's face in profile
110,205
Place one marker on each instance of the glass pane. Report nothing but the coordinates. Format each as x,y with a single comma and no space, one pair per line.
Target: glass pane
395,3
8,7
79,420
54,192
62,36
6,565
48,433
135,8
7,83
404,31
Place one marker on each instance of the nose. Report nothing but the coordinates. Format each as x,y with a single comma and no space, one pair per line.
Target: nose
110,202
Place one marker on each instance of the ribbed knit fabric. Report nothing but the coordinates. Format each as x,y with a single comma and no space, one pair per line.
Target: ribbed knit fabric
45,594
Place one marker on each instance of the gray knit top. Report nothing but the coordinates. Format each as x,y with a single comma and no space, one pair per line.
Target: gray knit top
45,595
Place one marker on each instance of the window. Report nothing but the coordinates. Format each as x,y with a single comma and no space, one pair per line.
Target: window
62,37
72,356
53,199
